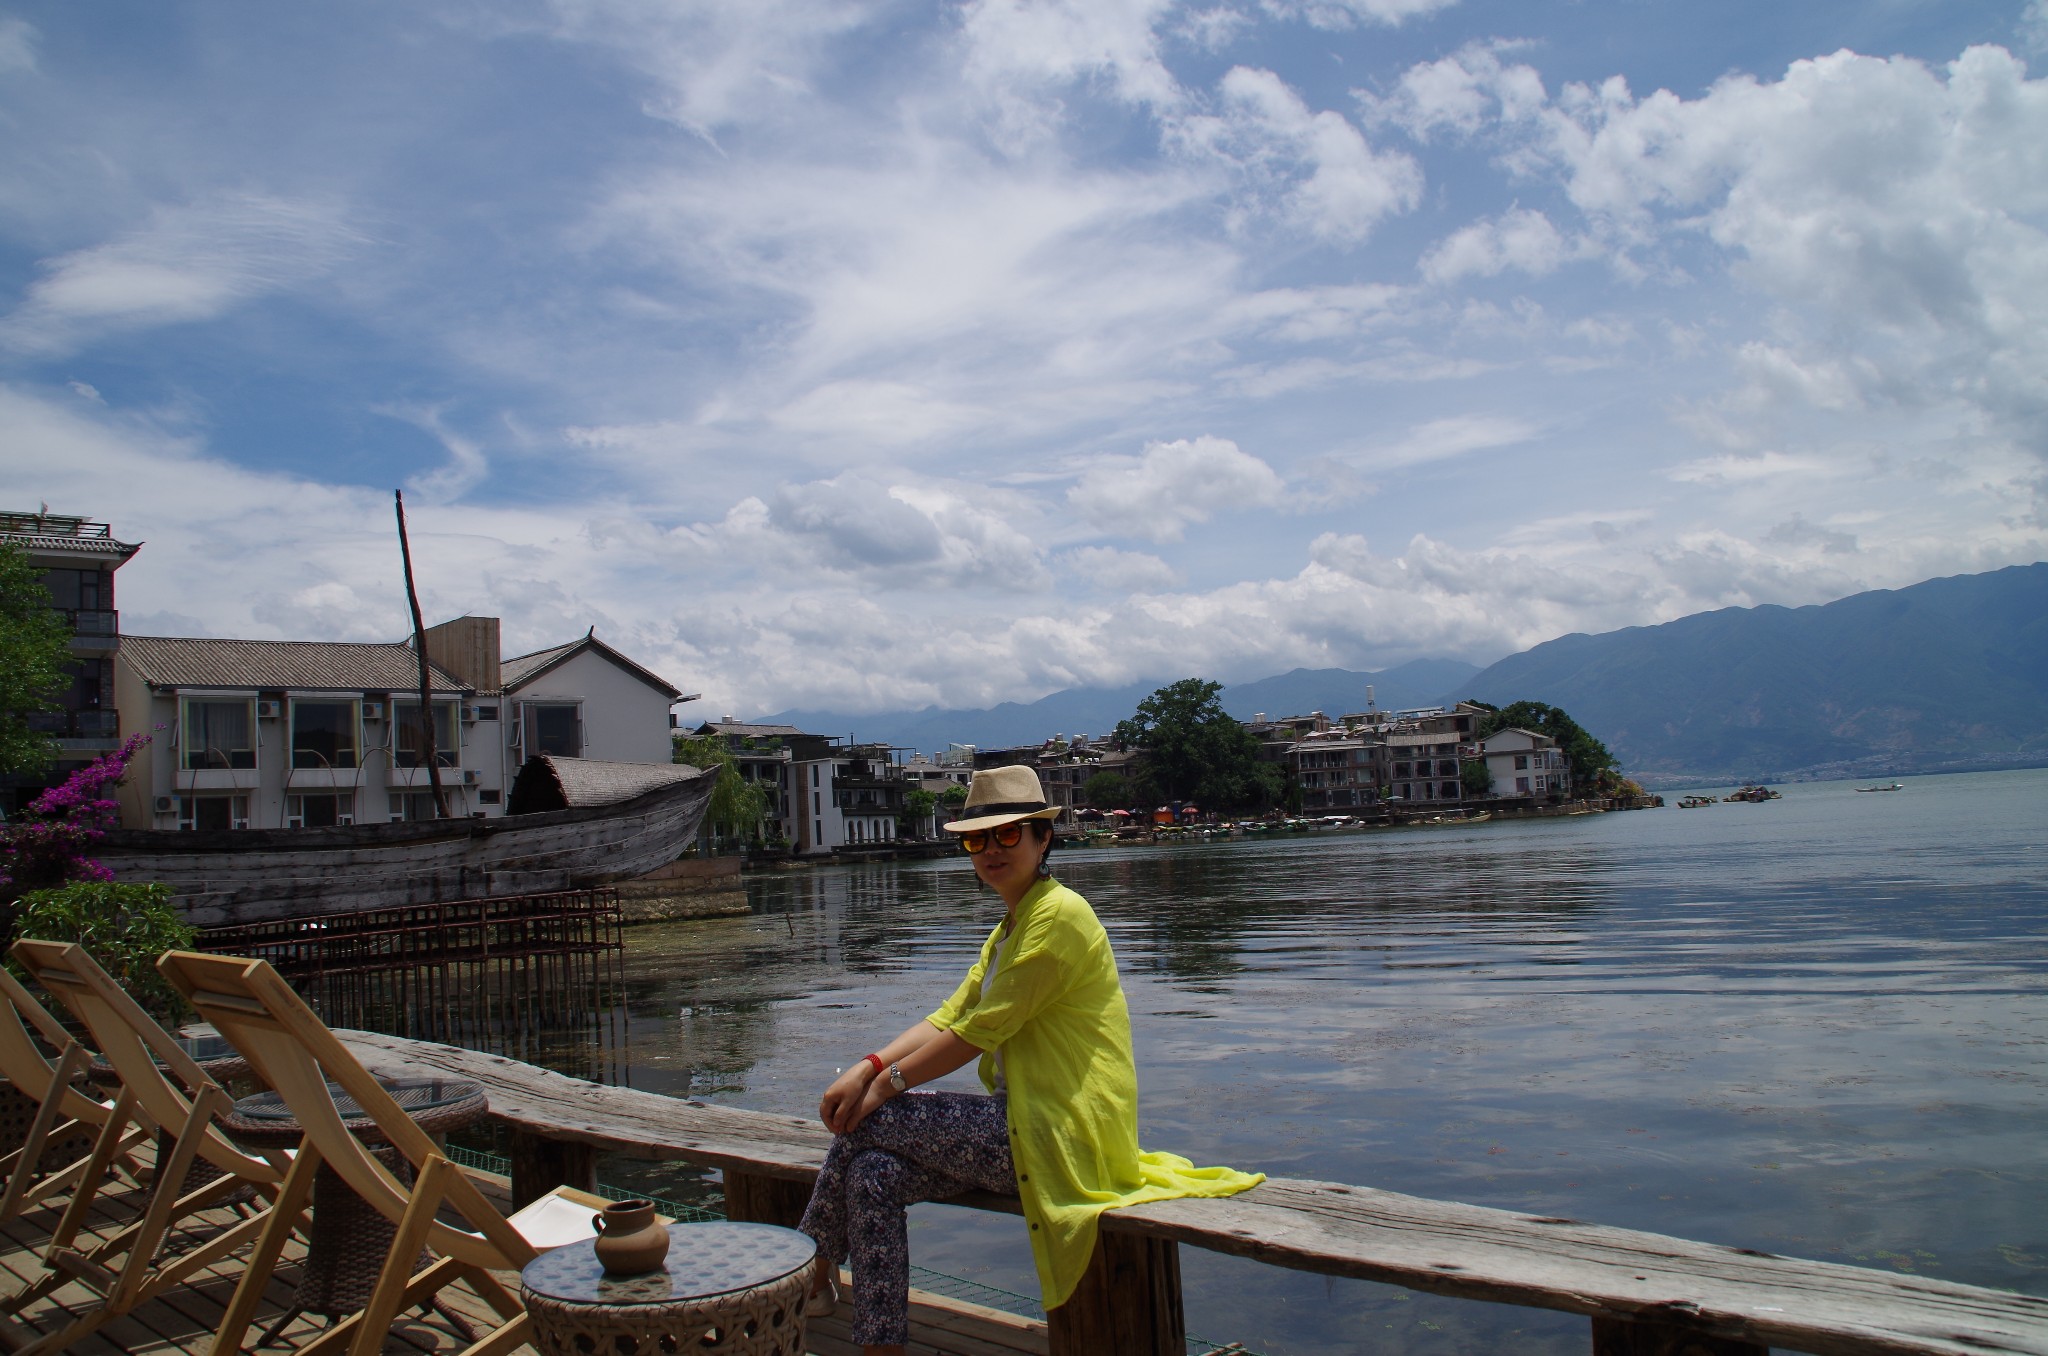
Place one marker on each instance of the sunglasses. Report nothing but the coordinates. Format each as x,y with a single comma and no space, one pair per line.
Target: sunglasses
1004,836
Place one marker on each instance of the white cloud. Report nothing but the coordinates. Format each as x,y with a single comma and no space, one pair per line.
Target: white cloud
1519,239
1316,168
1057,41
1347,13
2031,32
1130,571
1157,496
188,263
17,46
1463,93
1447,439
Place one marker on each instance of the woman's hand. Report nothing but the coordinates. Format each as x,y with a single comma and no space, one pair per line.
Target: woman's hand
841,1107
877,1092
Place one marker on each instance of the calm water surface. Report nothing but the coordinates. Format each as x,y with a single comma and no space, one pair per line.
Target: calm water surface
1817,1026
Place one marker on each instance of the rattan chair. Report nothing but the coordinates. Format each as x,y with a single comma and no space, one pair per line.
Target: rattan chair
127,1268
292,1050
65,1117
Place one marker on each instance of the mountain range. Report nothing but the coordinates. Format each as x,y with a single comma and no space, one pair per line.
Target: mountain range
1948,674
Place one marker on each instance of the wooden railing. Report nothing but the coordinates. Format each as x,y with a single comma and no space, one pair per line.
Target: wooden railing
1646,1294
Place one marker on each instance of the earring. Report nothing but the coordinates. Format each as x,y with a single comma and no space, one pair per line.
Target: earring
1044,868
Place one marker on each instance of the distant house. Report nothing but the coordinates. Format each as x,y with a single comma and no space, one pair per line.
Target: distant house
291,734
767,757
77,559
1525,763
586,700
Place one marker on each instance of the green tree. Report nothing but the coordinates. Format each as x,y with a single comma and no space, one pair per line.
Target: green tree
1591,764
124,926
953,797
1197,751
1476,779
737,805
918,805
1107,791
35,657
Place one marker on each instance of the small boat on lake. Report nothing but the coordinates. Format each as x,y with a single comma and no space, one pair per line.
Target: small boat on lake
1698,802
1894,786
1753,795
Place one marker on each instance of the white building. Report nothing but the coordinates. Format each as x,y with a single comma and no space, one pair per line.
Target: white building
289,734
1525,763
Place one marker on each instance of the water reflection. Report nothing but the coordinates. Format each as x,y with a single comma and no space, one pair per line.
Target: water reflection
1818,1026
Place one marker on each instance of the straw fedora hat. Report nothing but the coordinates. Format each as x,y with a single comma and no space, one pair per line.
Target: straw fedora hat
1002,795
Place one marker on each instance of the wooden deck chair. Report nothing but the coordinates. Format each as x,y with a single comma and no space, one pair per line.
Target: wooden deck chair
129,1267
292,1050
63,1109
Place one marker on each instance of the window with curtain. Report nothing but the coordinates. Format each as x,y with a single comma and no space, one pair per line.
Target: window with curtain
219,733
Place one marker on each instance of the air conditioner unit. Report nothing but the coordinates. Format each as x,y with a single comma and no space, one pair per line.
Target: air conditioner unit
469,715
269,710
469,776
373,710
166,805
345,820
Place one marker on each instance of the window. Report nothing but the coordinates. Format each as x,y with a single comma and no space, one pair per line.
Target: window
1521,761
205,813
219,733
553,728
489,795
1522,785
408,735
1449,791
412,806
323,734
76,590
319,810
1400,769
487,713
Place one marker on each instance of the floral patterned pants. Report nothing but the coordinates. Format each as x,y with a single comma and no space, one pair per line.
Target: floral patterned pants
921,1146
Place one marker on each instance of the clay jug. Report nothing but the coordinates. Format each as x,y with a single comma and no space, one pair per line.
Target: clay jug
629,1239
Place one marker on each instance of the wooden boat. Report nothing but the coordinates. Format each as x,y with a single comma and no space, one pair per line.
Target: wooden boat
260,875
1754,795
1698,802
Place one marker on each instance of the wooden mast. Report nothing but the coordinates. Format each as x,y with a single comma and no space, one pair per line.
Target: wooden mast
419,646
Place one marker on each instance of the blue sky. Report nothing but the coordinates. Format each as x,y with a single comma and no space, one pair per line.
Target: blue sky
865,355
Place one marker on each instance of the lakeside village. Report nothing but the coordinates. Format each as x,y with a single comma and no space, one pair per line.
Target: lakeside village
259,734
405,857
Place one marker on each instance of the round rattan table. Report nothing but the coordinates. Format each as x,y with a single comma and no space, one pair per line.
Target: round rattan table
724,1288
349,1237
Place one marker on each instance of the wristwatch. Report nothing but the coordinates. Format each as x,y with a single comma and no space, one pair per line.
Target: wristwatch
896,1079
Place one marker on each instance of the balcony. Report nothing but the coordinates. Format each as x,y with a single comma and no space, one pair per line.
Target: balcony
79,731
93,629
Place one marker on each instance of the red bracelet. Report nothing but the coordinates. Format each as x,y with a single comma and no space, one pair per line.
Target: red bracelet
875,1060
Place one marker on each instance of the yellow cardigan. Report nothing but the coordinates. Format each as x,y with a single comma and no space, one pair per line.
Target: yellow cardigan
1056,1011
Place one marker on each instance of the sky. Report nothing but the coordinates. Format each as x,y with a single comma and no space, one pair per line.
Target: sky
869,354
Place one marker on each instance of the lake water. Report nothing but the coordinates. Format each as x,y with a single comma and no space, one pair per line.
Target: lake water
1817,1026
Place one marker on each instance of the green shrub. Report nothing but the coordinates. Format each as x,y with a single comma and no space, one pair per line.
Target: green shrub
124,926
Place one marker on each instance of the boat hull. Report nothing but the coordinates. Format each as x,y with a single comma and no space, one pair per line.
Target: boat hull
261,875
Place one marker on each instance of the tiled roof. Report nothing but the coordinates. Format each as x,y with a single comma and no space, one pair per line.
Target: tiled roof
518,669
525,668
319,665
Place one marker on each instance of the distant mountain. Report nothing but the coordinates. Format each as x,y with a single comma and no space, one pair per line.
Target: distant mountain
1095,711
1951,673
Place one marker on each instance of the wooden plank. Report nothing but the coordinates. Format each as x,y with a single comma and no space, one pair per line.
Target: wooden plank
1473,1252
754,1199
539,1165
940,1326
1128,1301
1466,1251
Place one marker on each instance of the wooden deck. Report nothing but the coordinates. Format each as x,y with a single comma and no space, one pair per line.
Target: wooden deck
183,1321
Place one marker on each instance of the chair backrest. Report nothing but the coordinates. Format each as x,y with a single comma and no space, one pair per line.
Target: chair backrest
293,1051
137,1047
22,1061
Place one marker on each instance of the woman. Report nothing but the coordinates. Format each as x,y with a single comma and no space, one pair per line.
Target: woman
1043,1012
